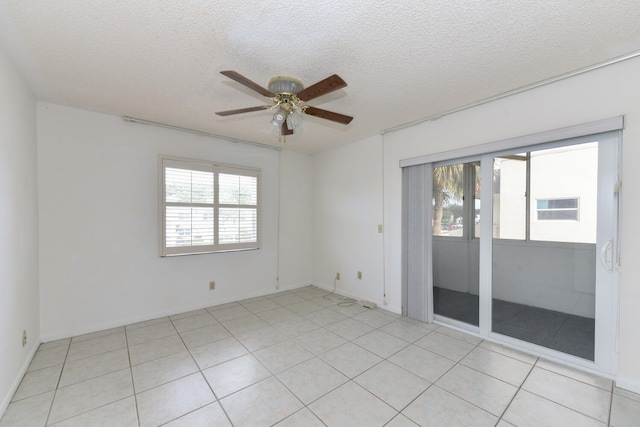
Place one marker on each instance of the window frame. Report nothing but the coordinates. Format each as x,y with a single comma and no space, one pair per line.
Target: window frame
216,168
554,209
529,201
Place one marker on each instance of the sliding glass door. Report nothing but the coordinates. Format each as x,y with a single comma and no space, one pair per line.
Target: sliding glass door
455,254
536,267
544,247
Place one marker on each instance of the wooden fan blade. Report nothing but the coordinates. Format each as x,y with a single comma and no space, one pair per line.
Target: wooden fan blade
323,87
284,129
233,75
242,110
329,115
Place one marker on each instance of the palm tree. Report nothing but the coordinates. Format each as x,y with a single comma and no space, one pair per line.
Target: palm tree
448,181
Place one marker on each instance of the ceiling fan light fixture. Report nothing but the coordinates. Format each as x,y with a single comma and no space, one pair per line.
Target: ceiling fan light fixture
285,84
279,117
289,98
294,119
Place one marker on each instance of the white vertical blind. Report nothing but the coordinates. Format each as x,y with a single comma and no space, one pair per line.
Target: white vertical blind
417,277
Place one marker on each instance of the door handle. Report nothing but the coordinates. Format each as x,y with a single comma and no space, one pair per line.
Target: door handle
605,260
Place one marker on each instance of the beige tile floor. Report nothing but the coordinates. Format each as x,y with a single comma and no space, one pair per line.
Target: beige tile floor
297,359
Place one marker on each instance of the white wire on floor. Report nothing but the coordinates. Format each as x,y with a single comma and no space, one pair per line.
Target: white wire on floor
339,300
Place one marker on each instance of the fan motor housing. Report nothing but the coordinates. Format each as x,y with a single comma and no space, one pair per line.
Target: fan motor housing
285,85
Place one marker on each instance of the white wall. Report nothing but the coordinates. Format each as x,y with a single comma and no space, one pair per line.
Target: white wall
599,94
19,309
456,264
99,263
296,219
347,205
550,275
555,276
560,173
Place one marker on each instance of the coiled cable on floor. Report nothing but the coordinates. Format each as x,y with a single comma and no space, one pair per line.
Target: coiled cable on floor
339,300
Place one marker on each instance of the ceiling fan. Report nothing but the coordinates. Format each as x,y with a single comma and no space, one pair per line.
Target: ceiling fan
288,97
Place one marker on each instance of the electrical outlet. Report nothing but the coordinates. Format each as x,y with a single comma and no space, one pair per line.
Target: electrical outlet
379,228
24,337
212,285
359,274
337,276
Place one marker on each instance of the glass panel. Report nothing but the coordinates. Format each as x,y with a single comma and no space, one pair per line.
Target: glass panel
543,287
476,199
177,185
448,191
509,197
238,189
563,189
548,210
456,212
202,226
186,226
178,226
238,225
187,186
201,187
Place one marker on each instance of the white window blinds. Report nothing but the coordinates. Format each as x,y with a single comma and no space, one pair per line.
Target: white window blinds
207,207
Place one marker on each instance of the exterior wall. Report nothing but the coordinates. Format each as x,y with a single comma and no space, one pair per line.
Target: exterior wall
549,275
560,174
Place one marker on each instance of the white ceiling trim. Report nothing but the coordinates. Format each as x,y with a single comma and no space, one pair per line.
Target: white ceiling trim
514,92
197,132
575,131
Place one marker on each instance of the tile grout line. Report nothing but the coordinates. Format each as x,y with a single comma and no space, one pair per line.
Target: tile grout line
275,375
349,380
314,356
575,379
399,412
55,391
293,338
558,403
533,365
79,382
200,371
133,386
610,406
433,384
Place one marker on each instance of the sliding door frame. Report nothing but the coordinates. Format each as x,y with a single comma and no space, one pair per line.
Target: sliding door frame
606,332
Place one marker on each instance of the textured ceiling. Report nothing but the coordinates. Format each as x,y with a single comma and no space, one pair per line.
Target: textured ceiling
403,61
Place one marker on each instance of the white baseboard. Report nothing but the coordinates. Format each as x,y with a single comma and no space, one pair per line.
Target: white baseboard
16,382
628,384
293,286
154,315
379,302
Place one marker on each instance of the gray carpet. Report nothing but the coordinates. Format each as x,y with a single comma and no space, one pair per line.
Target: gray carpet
552,329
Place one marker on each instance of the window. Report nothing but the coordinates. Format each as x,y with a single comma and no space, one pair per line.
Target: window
546,194
558,209
455,214
207,207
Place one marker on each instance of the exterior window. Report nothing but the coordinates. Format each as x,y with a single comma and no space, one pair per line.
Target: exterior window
456,200
534,190
557,209
207,207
